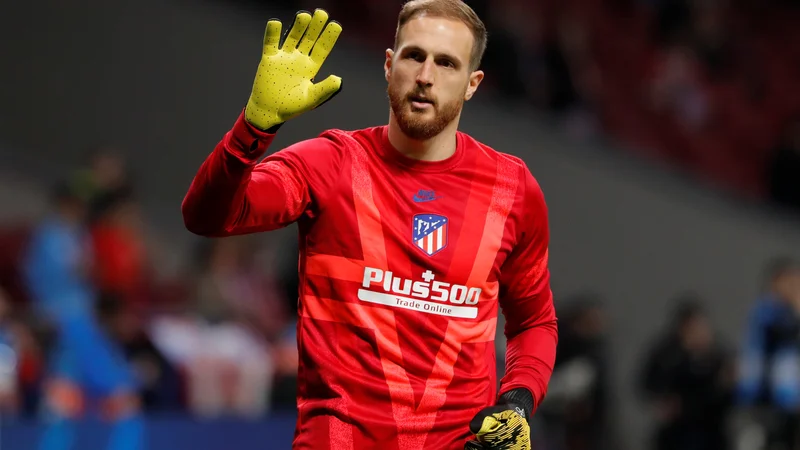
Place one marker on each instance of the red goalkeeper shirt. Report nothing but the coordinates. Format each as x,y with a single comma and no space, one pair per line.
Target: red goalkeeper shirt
403,265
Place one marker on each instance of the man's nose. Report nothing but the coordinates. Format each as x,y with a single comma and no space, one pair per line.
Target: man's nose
425,76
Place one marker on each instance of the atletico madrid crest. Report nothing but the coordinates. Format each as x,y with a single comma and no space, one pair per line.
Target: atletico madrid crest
430,232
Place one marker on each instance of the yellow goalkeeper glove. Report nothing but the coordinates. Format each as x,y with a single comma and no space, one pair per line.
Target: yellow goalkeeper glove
284,85
505,425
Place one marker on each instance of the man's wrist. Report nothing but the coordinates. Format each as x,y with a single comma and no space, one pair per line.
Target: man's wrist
247,142
260,120
521,398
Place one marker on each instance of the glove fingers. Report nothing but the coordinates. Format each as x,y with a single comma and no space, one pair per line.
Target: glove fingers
506,430
325,43
301,21
272,37
479,421
313,31
321,92
490,425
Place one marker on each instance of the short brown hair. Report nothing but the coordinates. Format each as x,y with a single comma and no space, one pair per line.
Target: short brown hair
448,9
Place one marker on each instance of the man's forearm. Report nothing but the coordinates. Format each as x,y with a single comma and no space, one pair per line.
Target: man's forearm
530,356
216,204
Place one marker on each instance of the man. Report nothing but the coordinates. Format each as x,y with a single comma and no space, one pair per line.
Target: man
769,376
576,415
411,234
86,363
688,379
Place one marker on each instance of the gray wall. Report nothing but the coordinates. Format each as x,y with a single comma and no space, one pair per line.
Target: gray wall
165,79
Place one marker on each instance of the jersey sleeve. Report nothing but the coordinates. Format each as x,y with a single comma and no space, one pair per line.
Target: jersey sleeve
527,301
232,193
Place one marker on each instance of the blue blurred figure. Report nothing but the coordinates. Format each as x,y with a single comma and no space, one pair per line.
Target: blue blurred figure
85,363
770,363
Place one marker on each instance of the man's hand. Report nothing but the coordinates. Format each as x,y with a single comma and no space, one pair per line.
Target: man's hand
503,426
284,86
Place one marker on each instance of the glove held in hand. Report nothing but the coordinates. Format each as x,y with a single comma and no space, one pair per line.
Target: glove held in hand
504,426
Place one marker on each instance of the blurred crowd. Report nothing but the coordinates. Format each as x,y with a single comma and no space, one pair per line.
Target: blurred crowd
217,340
700,391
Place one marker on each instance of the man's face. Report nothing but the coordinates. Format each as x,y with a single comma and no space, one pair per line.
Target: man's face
787,287
429,75
697,334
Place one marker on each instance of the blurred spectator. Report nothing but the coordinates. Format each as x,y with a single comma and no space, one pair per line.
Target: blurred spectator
229,371
85,363
574,79
235,285
784,171
30,369
160,384
575,413
57,264
118,246
712,39
676,87
231,342
688,380
105,172
20,363
284,396
770,362
9,361
513,55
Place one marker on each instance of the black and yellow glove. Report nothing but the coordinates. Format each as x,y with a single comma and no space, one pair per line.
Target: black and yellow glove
284,85
503,426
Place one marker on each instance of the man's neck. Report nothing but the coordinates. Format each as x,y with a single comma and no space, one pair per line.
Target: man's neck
437,148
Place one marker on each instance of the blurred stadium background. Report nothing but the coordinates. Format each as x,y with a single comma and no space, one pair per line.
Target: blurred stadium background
665,134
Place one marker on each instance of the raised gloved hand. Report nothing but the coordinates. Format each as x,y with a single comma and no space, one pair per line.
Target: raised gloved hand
284,85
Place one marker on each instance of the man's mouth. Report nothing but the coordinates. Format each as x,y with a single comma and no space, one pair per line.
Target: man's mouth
420,101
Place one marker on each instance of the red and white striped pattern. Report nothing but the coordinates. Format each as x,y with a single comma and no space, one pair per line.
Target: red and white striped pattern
435,241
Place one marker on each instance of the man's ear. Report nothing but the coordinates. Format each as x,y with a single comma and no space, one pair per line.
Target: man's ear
387,65
475,79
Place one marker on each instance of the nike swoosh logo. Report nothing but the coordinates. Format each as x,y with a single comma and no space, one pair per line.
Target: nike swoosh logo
424,199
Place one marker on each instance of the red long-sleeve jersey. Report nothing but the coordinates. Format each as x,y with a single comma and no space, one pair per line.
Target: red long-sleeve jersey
403,264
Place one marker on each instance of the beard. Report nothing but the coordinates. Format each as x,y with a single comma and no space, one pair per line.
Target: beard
414,123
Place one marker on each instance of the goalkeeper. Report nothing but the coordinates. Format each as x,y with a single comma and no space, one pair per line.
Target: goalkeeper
413,235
